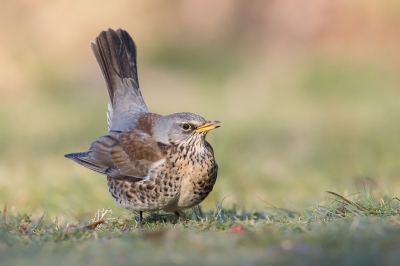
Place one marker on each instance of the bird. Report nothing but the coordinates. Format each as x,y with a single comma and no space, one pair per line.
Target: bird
152,162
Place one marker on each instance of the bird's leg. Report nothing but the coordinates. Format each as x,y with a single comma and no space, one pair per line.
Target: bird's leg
140,220
177,214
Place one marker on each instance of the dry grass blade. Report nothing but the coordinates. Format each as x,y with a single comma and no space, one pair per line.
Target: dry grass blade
5,212
358,206
38,223
392,199
91,226
95,224
100,218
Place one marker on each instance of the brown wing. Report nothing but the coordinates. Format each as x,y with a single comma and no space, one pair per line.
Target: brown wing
135,153
121,155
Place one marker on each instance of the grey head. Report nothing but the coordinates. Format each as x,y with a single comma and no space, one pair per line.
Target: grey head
182,128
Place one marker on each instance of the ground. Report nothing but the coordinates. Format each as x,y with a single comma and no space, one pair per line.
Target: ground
361,231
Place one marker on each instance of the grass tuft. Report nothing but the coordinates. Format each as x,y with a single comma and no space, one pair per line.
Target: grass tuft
353,229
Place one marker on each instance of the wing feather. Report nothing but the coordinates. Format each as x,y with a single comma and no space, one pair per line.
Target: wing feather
121,155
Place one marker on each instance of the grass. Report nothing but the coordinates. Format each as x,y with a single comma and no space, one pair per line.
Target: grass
348,231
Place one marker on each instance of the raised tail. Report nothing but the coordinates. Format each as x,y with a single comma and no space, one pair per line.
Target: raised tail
115,52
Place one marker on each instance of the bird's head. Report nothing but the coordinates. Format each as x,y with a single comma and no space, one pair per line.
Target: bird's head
182,128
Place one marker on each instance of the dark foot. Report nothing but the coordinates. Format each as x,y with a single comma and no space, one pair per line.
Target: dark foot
177,214
140,220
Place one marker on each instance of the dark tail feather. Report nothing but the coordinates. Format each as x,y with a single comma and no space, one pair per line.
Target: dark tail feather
83,158
116,54
97,158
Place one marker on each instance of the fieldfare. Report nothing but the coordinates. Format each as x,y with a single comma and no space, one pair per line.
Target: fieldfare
152,162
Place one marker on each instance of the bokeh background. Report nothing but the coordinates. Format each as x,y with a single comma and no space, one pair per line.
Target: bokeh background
308,93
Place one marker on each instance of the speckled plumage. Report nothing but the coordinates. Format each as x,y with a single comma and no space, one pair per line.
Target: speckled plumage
181,181
152,162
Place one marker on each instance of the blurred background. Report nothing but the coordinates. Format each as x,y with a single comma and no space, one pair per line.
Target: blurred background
308,95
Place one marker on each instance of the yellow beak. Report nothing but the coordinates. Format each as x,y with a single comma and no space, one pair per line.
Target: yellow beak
210,125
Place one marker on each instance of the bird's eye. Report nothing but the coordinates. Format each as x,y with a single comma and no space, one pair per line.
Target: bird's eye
186,126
